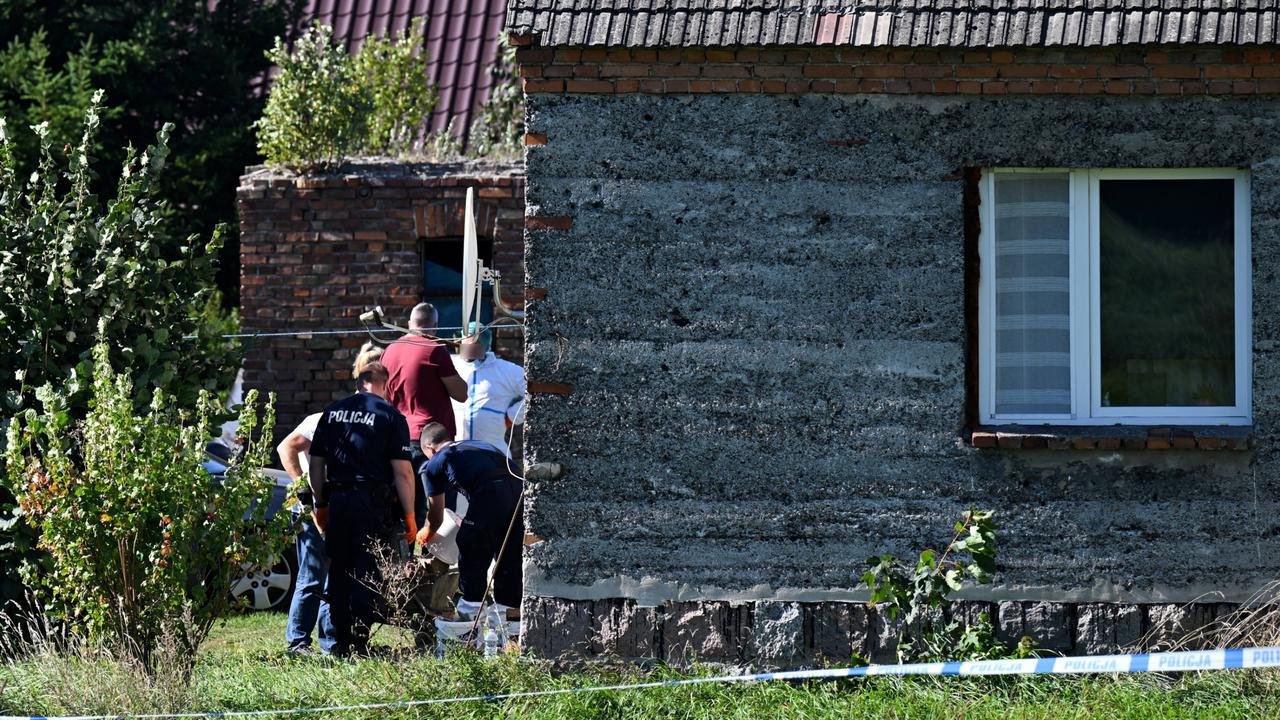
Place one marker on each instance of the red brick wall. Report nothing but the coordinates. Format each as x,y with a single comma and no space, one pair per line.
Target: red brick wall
1113,71
317,251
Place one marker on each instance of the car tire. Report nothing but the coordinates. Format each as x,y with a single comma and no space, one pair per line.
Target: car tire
269,588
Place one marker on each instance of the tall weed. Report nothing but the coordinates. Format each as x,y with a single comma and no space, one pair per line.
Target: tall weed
62,673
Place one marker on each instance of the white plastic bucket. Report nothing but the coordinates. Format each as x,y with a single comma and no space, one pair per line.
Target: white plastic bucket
445,543
453,634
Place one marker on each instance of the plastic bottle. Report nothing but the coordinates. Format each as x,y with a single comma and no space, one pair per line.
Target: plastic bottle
492,645
495,634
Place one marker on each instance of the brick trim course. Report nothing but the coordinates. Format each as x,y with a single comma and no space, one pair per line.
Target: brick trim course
1129,70
1111,438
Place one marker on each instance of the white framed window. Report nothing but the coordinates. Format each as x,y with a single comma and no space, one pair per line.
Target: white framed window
1110,296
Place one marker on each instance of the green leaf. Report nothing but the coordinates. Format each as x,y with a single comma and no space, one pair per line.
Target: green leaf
953,578
928,587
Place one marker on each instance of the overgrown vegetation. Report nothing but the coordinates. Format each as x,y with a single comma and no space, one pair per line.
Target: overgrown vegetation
74,268
922,590
498,130
327,105
318,110
198,64
143,543
394,71
243,667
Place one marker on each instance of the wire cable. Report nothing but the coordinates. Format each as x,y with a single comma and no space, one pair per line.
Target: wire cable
511,322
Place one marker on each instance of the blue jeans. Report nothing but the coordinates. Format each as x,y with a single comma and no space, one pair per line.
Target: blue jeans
308,604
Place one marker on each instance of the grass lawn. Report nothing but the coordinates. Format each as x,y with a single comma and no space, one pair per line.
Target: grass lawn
242,667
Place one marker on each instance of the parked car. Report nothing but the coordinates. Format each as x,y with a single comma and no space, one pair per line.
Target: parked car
260,587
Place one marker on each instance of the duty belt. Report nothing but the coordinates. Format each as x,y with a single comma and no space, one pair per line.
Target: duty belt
494,484
356,485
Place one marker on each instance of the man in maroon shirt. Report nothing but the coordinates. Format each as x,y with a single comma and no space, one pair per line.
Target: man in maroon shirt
422,379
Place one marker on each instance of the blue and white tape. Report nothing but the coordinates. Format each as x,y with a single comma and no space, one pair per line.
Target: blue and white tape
1165,662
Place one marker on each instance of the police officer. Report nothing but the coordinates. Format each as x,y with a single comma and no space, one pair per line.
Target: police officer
359,470
494,526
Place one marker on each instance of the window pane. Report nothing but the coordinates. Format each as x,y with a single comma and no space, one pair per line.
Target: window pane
1166,292
443,269
1033,298
442,279
449,308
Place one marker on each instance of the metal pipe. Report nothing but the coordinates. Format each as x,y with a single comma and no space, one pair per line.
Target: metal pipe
498,304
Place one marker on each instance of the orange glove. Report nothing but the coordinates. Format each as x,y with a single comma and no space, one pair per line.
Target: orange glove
411,528
425,535
320,516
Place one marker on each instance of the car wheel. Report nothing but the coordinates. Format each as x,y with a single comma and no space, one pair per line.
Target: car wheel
267,587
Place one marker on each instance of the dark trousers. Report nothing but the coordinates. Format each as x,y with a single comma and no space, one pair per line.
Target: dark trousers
481,537
356,520
419,460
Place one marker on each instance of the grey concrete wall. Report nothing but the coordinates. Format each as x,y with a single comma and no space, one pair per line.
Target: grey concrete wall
765,336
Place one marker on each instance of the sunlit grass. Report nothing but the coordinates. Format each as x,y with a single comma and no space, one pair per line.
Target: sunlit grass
244,667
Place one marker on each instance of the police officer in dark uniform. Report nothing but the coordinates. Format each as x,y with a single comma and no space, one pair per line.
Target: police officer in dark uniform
484,475
363,485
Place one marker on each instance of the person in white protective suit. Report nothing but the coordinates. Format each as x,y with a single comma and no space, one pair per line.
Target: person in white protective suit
496,392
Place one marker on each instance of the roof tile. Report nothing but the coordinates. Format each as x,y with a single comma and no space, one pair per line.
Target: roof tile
916,33
713,31
1209,25
1247,29
903,23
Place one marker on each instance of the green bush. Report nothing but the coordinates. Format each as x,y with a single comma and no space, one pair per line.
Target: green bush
326,105
923,589
395,73
74,268
143,543
318,110
198,64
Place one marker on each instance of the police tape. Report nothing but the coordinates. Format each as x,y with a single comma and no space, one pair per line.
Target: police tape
1161,662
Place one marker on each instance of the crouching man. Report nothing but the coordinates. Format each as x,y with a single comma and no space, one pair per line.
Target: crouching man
494,526
359,469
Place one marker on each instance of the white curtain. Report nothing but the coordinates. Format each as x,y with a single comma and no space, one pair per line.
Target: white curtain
1033,294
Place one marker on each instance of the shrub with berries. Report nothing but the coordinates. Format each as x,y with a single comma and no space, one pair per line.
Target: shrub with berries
143,543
